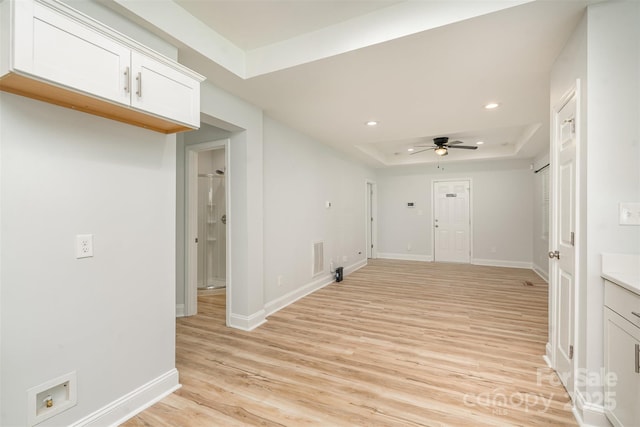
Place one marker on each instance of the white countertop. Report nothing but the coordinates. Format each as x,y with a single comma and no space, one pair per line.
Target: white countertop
623,270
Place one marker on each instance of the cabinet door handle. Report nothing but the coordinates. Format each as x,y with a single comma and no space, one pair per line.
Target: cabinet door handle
127,80
139,80
637,358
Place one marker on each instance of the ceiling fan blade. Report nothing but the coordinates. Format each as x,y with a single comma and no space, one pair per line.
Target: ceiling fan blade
423,145
466,147
416,152
455,142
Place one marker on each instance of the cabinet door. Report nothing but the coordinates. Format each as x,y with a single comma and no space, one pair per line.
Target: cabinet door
164,91
622,383
58,49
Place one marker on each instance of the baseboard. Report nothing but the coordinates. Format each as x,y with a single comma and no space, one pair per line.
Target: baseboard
501,263
405,257
179,310
293,296
118,411
247,323
540,272
355,266
588,414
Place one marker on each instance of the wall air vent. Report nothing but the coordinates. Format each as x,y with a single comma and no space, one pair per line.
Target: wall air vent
318,258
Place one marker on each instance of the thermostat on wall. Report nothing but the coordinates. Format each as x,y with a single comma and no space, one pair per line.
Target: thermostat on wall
410,204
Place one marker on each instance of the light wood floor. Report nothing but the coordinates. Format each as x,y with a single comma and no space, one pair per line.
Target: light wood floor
396,343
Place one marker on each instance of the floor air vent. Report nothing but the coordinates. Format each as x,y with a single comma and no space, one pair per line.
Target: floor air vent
318,258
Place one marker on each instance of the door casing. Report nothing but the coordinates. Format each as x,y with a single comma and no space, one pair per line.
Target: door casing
557,352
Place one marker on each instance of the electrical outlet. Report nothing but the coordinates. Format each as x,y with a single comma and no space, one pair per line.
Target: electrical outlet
280,280
408,246
84,246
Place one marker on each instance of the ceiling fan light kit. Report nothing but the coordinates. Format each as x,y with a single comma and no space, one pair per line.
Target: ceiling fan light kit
442,145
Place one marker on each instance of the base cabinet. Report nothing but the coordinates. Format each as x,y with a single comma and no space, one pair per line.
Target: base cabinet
56,54
621,357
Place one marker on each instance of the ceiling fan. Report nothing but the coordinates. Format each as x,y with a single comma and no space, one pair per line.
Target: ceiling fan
442,146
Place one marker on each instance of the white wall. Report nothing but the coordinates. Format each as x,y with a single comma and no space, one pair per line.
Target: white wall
502,215
613,150
604,52
300,176
245,300
110,318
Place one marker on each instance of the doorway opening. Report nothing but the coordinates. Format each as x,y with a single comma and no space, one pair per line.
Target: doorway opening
212,219
207,233
370,219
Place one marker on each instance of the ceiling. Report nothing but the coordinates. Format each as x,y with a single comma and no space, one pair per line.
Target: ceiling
422,69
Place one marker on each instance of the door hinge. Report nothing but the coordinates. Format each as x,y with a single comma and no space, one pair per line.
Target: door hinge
571,352
371,246
196,240
371,219
573,238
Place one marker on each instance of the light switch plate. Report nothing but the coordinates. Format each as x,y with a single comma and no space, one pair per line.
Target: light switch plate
629,213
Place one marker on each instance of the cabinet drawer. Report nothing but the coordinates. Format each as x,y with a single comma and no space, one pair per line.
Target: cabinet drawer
622,301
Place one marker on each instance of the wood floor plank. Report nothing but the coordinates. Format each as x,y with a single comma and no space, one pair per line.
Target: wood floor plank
397,343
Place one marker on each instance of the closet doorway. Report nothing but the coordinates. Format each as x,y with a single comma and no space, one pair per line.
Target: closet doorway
207,221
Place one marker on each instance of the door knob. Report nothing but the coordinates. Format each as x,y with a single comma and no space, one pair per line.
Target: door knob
554,254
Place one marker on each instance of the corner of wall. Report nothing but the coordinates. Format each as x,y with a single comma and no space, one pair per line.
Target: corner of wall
247,323
588,414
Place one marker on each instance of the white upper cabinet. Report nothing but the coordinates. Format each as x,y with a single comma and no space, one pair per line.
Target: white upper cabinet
56,54
163,90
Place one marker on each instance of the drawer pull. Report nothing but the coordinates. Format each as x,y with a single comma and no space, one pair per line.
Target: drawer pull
637,358
139,80
635,314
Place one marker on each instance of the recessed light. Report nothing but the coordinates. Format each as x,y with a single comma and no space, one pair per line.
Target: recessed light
491,105
371,123
479,142
410,149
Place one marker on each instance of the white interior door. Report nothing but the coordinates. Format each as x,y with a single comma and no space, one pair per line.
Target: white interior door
562,252
452,221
